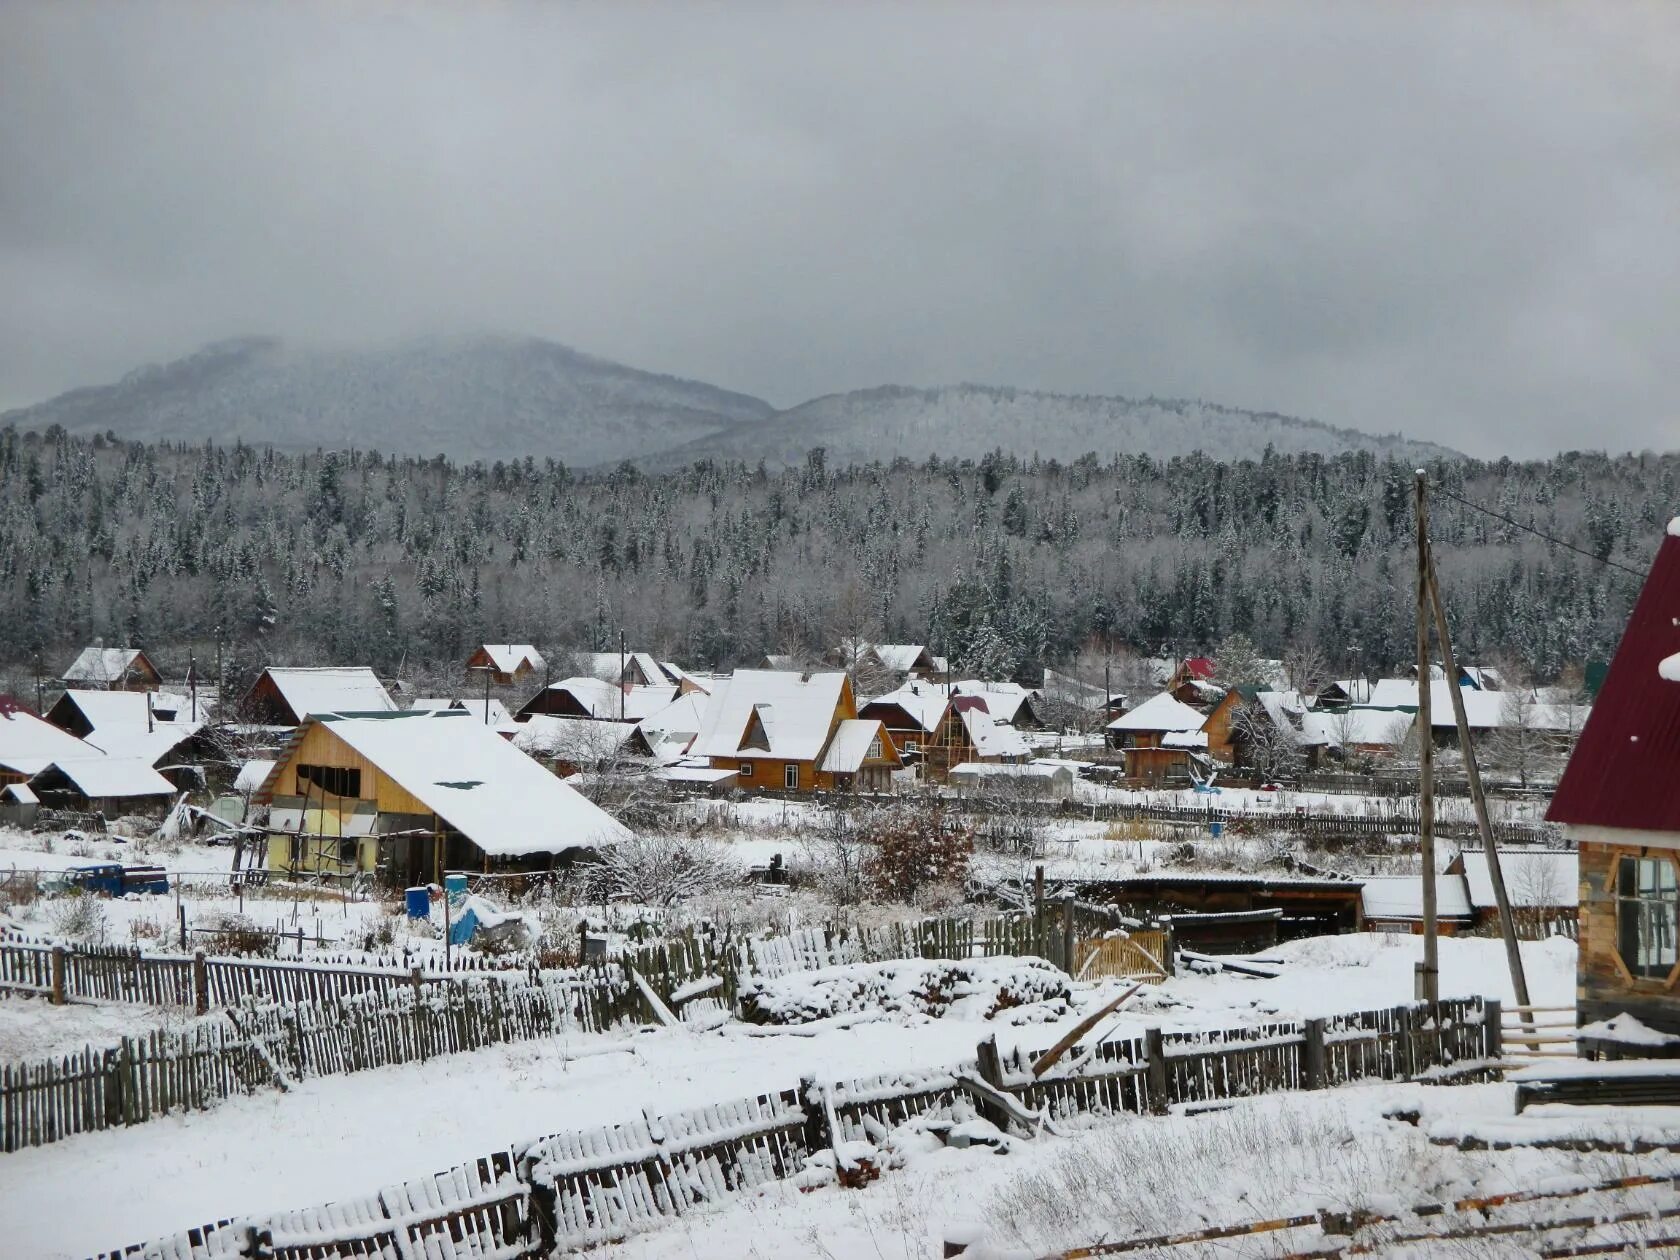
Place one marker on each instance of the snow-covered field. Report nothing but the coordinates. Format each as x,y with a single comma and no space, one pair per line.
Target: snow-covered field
329,1138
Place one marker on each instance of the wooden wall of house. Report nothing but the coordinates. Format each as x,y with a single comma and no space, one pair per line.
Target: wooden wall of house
1604,987
320,747
1218,727
264,704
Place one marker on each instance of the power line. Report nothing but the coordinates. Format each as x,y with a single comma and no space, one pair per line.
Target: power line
1556,542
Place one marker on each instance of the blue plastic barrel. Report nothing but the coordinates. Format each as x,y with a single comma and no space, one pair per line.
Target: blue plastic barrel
1215,828
455,887
419,903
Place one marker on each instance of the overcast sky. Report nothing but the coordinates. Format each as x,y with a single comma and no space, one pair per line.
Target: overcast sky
1463,224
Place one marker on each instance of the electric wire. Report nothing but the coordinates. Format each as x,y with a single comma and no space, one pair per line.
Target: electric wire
1558,542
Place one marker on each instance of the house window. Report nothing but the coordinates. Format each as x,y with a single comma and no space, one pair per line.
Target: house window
790,777
746,769
346,850
1647,916
874,750
330,780
911,745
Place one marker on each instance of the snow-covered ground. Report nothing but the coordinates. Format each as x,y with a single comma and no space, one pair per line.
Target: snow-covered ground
334,1137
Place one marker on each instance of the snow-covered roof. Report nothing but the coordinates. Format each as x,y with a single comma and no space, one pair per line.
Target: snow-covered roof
849,748
901,658
1184,739
122,728
1401,897
610,702
1483,676
922,702
1070,690
102,665
612,667
476,781
794,711
1393,693
686,772
29,744
575,739
101,777
992,737
1356,726
508,657
330,689
499,715
1003,699
685,716
19,794
1160,713
1534,878
1045,771
252,775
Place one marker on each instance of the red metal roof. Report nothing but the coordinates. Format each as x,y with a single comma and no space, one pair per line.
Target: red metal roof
1199,667
1625,772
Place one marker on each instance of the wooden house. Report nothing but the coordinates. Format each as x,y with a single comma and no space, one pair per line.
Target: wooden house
598,700
413,794
112,786
1159,738
285,696
29,744
1543,885
1220,912
507,663
938,727
1619,800
113,669
796,733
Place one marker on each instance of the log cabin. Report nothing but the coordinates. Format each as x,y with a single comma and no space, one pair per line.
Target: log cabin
413,794
938,727
1159,738
1619,800
796,733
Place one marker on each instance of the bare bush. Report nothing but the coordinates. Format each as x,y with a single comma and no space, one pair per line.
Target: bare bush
236,934
662,870
78,916
917,849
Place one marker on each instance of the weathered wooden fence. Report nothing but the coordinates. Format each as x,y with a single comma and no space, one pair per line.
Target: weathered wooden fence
583,1189
260,1047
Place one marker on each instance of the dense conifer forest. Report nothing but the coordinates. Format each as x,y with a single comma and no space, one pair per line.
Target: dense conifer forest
1005,565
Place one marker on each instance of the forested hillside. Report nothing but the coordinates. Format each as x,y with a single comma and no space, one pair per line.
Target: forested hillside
1003,565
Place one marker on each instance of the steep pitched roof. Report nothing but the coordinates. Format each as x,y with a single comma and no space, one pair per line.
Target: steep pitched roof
508,657
901,658
1625,771
991,736
923,703
473,779
102,665
1160,713
794,711
105,777
609,701
330,689
849,748
29,744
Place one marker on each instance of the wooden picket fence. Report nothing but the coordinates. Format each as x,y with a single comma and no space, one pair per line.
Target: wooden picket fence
580,1190
261,1047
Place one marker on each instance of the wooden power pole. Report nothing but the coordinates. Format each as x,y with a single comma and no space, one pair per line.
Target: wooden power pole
1429,970
1473,772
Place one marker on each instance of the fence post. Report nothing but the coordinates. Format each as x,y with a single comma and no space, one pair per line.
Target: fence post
1155,1067
1405,1048
113,1088
181,915
201,983
58,975
1067,933
817,1134
991,1071
415,976
1493,1029
1312,1056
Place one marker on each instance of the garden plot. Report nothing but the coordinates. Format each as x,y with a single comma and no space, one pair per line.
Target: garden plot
332,1138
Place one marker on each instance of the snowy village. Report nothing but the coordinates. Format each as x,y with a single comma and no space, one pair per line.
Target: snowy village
784,631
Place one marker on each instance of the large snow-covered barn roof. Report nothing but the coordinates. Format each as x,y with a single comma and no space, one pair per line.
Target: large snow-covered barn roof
474,780
29,744
101,778
1625,771
923,703
508,657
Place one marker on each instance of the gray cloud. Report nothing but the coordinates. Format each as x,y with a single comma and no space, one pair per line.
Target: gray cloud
1456,223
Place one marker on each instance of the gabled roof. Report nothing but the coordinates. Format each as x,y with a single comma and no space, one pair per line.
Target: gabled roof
102,777
1534,878
120,724
1356,726
795,712
1003,699
499,715
611,702
1625,771
613,668
474,780
575,739
901,658
102,665
849,748
1160,713
685,716
992,737
1401,897
252,774
1393,693
923,703
508,657
1199,667
29,744
331,689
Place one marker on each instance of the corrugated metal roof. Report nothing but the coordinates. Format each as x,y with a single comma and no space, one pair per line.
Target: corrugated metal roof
1625,771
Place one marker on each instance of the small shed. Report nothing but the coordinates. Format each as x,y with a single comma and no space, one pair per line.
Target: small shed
18,805
1394,903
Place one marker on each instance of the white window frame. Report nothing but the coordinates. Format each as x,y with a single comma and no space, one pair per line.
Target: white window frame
875,749
790,776
746,770
911,745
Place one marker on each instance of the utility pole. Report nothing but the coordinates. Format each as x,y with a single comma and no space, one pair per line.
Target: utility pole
1429,970
192,682
1507,924
621,683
